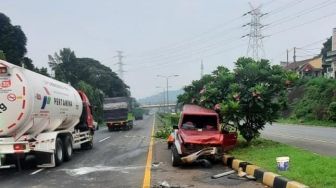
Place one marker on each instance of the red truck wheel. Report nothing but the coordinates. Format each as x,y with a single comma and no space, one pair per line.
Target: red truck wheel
175,157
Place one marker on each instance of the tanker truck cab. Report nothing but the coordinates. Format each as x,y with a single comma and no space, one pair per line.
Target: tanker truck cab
86,118
41,116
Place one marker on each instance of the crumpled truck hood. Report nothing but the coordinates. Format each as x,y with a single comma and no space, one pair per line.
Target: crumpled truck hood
201,137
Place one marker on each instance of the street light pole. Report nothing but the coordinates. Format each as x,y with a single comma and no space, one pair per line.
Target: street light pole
163,97
167,82
167,96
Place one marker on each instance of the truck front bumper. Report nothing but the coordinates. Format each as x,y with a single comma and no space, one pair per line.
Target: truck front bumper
204,152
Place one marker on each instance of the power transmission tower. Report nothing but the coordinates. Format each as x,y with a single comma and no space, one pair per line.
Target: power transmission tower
255,45
120,64
202,68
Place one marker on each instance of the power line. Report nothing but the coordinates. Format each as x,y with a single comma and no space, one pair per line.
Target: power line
192,60
182,43
305,23
184,54
298,14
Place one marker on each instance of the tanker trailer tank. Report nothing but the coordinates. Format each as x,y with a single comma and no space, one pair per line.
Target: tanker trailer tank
41,114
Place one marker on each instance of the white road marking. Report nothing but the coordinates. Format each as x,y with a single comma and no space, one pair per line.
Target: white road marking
296,137
37,171
104,139
87,170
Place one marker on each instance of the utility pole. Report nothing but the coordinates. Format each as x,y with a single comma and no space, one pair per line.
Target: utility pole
294,55
163,97
287,57
120,64
202,68
167,85
255,44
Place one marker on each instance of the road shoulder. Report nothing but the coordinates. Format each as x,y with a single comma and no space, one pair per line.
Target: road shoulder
191,175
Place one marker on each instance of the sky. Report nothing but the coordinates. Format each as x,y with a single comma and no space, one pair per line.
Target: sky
169,37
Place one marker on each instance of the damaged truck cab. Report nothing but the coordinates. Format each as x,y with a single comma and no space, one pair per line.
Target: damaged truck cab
198,136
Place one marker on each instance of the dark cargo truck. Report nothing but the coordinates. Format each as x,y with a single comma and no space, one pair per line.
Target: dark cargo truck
118,113
138,113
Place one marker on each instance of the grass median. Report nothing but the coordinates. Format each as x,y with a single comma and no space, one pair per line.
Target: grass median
306,167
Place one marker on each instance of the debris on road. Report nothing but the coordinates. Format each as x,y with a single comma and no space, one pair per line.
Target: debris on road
164,184
241,173
223,174
156,164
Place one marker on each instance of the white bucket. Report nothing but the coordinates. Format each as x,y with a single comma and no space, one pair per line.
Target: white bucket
282,163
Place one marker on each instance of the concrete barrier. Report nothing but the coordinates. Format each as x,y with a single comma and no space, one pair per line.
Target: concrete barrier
268,178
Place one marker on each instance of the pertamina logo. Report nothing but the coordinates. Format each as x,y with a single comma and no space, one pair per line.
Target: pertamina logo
6,84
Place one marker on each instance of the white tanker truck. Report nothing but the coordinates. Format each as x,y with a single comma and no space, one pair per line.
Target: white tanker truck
41,116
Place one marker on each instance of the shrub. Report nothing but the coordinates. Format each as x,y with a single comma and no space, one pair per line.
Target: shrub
332,111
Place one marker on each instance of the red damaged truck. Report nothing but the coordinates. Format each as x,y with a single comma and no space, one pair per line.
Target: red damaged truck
198,136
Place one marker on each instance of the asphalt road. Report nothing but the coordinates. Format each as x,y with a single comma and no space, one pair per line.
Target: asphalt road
321,140
118,159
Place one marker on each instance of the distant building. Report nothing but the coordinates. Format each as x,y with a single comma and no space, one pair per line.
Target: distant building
331,58
307,67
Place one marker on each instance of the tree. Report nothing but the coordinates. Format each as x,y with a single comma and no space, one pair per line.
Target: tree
96,98
69,68
64,65
12,40
13,45
326,48
247,98
2,55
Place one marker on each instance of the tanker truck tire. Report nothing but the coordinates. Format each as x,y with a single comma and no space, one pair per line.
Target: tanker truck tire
59,157
68,148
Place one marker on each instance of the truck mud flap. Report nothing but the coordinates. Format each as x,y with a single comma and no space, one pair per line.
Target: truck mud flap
4,163
45,159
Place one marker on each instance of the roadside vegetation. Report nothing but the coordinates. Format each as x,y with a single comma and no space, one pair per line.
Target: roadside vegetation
306,167
247,98
165,124
311,102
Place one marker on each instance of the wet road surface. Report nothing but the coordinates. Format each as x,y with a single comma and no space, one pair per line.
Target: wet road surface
321,140
118,159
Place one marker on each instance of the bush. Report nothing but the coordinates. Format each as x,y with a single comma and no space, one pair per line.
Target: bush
166,125
332,111
315,101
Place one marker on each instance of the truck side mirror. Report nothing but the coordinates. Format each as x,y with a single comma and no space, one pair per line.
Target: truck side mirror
175,127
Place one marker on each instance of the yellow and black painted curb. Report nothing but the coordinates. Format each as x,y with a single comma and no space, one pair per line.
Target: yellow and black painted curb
268,178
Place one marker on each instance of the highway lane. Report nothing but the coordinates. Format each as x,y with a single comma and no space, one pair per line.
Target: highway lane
321,140
117,160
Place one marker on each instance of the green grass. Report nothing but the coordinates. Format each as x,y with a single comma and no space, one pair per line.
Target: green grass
307,122
306,167
164,126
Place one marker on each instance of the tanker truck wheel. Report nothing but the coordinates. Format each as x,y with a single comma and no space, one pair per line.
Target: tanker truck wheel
68,148
59,152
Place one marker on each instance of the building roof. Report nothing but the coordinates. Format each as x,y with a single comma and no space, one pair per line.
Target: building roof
315,63
197,110
295,65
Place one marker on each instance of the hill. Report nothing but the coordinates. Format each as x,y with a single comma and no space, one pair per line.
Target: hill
158,98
